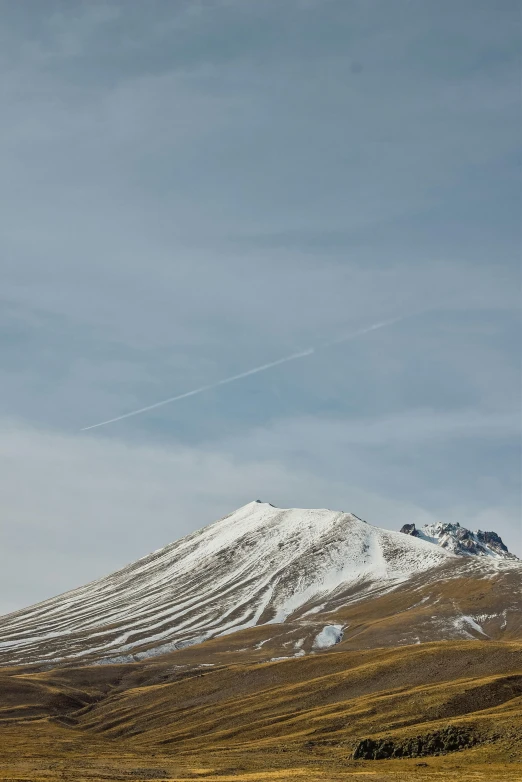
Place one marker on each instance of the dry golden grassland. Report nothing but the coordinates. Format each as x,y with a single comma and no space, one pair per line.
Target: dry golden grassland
296,719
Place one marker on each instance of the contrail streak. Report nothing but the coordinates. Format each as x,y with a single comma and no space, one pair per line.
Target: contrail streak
262,368
358,333
200,390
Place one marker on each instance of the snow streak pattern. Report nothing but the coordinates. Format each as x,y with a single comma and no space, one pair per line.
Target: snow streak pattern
260,565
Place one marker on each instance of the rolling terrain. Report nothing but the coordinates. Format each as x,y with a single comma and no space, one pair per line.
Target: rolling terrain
274,645
452,708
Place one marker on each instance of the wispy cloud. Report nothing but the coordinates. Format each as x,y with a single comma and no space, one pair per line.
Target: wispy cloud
190,193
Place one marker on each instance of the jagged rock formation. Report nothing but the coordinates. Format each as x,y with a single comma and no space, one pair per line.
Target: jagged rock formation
460,540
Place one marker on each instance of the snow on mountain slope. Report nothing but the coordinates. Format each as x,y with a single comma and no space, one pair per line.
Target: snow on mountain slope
258,565
460,540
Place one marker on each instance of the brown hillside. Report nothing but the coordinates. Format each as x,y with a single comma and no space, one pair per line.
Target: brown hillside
301,718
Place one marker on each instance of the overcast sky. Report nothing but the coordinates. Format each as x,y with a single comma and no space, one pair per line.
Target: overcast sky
193,189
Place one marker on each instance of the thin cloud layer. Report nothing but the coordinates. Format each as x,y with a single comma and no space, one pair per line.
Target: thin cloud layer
191,189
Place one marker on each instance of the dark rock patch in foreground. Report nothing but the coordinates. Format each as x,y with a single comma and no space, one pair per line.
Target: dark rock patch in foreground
449,739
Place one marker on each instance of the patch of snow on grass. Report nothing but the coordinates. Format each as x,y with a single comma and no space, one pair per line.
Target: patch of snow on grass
463,620
329,636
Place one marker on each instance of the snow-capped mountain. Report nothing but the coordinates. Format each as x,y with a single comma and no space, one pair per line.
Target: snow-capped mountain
460,540
257,568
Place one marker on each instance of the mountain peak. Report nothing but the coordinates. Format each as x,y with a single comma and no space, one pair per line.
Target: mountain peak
460,540
257,565
294,571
